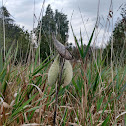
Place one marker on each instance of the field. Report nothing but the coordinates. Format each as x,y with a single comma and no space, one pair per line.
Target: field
95,96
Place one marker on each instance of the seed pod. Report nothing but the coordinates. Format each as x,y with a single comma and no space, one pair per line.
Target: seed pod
61,49
67,73
53,71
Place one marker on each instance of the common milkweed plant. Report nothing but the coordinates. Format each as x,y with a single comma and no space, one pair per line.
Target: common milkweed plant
61,71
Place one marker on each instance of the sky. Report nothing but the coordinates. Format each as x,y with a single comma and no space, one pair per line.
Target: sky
82,14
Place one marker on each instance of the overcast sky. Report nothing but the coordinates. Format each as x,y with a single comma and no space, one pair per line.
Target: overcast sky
85,19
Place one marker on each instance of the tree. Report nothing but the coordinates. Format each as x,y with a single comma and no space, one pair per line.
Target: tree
119,41
48,26
48,22
13,34
61,26
52,23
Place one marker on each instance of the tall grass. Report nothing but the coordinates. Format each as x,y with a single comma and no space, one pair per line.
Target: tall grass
88,100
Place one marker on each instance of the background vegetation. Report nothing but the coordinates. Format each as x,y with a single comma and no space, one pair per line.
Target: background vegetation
97,93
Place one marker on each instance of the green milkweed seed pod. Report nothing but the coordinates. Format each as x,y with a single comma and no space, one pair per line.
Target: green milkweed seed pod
67,73
53,71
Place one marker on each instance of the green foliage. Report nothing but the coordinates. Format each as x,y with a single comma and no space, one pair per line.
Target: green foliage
119,41
13,34
5,71
83,49
52,23
61,26
1,61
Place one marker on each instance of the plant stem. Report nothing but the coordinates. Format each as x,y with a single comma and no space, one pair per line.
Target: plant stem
57,91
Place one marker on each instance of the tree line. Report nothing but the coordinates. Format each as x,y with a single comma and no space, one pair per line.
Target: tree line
13,34
119,41
58,24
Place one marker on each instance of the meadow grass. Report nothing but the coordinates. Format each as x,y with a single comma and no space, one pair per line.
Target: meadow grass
96,95
92,98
